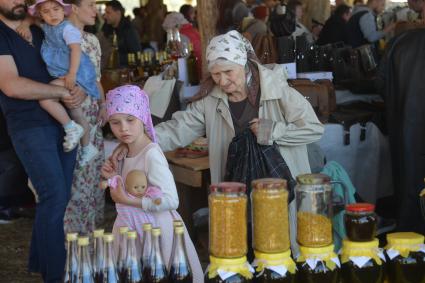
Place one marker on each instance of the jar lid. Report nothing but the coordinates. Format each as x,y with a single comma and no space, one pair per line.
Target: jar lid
228,261
321,250
360,207
269,183
313,179
228,187
405,238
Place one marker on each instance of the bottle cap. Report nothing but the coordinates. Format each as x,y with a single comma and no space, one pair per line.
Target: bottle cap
156,231
123,230
313,179
179,229
83,241
177,223
108,237
360,207
147,227
71,237
132,234
98,233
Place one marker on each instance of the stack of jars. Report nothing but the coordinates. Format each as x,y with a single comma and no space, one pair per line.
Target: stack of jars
228,234
406,257
269,199
362,260
317,261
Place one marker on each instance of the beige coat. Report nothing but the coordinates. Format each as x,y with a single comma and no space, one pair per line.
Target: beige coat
295,124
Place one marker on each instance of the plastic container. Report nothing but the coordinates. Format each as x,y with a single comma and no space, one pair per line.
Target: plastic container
406,253
314,210
360,222
362,262
269,198
228,220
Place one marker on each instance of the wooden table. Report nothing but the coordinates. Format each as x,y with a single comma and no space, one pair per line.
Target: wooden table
192,176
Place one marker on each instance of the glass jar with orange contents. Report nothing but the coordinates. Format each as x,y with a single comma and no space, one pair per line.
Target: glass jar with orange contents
227,203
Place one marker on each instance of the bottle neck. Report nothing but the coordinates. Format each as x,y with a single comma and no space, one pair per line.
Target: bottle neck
71,258
98,253
122,250
84,266
146,247
131,249
157,259
179,256
109,255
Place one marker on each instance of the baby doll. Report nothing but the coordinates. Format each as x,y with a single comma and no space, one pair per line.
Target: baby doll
136,185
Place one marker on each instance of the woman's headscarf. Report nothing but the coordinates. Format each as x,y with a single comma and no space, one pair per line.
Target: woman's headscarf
233,47
174,20
130,99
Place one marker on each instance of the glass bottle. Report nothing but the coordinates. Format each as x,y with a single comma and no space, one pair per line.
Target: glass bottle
134,274
158,272
133,72
71,267
85,271
360,222
98,256
274,266
227,204
146,248
122,253
179,267
314,210
192,67
148,71
269,198
113,60
243,272
176,223
109,271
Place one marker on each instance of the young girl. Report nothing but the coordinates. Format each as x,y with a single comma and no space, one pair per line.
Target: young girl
61,50
130,120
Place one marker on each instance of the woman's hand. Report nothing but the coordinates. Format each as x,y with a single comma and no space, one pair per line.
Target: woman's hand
120,152
102,116
253,125
108,170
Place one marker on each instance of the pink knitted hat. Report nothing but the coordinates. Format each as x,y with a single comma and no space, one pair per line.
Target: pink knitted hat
130,99
32,10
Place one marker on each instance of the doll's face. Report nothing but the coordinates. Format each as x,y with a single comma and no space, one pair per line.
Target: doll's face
136,183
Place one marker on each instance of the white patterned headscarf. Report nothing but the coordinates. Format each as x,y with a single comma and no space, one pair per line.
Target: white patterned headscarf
231,46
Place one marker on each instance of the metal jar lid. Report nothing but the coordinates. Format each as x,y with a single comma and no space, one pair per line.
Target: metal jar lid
313,179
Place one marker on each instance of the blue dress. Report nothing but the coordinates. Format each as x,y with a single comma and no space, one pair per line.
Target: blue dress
56,54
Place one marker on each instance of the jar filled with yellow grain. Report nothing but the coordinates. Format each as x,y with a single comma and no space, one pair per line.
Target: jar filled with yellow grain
227,203
269,198
314,210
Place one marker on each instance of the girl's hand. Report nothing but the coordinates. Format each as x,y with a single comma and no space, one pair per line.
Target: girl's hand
24,31
108,170
253,125
120,152
70,80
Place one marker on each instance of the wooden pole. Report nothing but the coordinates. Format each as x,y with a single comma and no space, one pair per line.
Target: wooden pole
207,17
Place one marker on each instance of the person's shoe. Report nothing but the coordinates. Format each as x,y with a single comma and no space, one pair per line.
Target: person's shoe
73,134
87,154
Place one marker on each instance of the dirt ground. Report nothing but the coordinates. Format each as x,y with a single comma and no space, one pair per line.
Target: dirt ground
14,248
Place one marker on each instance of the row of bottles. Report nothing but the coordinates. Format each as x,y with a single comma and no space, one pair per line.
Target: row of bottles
128,267
142,65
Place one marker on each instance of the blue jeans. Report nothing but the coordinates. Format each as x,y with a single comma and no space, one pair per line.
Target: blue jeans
50,170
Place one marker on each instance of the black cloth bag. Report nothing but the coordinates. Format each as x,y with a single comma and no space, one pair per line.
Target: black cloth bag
247,161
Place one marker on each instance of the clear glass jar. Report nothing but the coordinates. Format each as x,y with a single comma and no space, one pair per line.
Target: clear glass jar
227,203
360,222
314,210
269,198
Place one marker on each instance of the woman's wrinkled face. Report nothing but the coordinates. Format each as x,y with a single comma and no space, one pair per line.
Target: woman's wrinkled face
229,77
85,12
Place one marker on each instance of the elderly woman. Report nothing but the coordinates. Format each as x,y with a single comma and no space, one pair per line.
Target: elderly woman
243,92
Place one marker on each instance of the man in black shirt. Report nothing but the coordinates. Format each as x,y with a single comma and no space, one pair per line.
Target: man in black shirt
127,36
